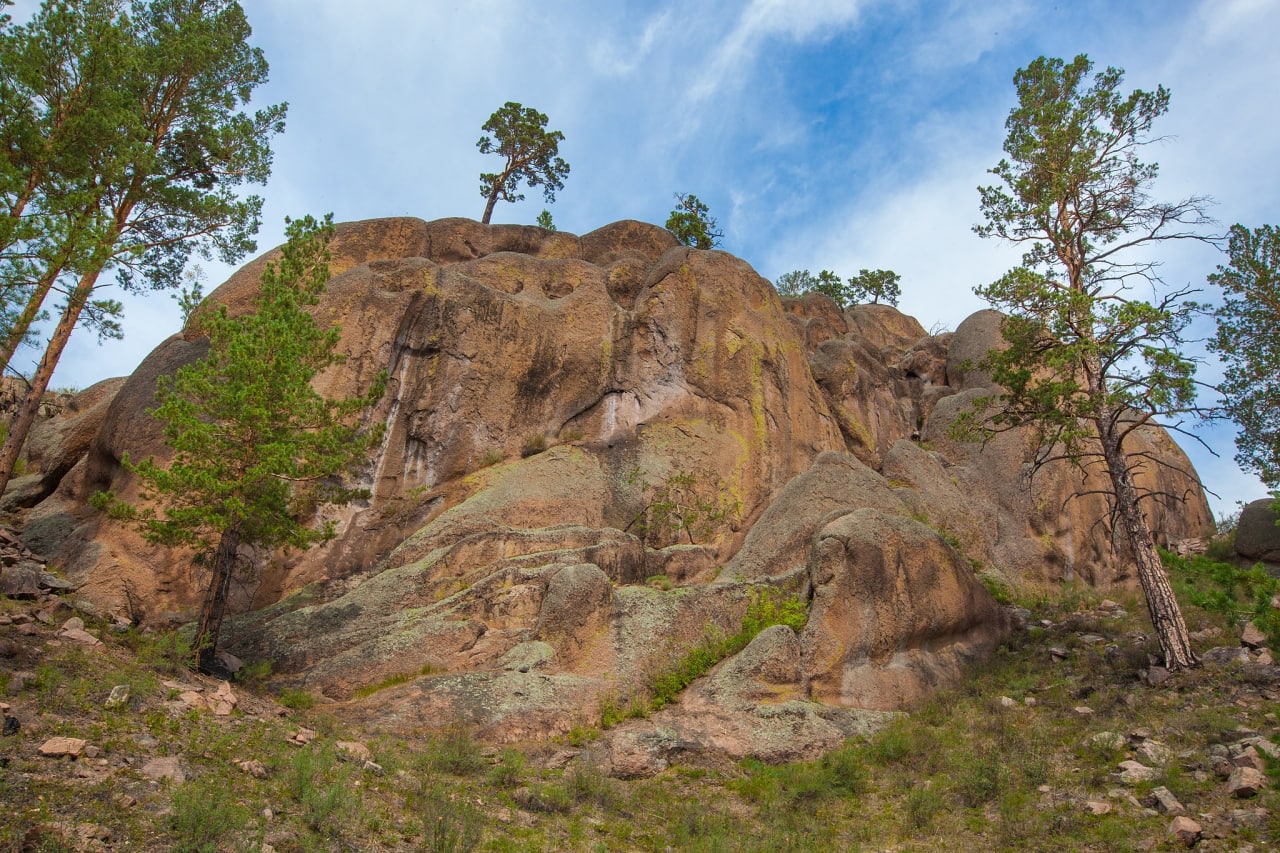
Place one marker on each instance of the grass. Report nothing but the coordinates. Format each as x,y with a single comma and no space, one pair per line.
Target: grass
964,770
766,609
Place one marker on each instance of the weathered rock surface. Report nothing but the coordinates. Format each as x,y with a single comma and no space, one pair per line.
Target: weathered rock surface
1257,535
546,392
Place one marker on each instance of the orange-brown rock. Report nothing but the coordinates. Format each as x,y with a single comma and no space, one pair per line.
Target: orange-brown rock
598,452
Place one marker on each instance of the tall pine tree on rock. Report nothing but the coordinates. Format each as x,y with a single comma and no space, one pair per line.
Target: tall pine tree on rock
256,449
1089,360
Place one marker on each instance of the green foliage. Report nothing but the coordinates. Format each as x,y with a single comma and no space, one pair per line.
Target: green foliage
766,609
1087,362
692,223
530,153
204,815
677,508
190,293
454,751
874,285
255,447
1248,341
297,698
1239,594
867,286
449,823
128,140
392,680
544,221
533,445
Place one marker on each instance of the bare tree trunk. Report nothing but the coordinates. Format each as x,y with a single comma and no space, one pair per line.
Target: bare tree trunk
30,407
1162,605
215,599
488,208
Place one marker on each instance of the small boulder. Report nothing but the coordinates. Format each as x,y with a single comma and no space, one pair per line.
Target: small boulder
1133,773
1252,637
351,750
253,767
1245,782
1154,753
165,767
57,747
1185,831
1163,800
119,695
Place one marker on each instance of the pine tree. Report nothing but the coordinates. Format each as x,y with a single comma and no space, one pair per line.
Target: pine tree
254,445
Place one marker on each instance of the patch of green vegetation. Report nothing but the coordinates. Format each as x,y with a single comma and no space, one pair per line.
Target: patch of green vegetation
767,608
390,681
678,508
297,699
1238,594
533,445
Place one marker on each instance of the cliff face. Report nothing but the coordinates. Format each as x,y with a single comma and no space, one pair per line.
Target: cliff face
549,396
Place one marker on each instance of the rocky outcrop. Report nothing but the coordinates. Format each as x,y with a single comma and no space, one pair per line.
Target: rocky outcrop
1257,533
601,452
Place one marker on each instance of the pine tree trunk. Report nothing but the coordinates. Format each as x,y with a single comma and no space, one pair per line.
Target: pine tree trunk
30,407
215,599
1162,605
488,208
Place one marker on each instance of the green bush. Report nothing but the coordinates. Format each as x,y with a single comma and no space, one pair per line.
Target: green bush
1239,594
448,825
204,814
454,751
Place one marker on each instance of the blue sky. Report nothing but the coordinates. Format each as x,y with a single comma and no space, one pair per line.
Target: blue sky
834,134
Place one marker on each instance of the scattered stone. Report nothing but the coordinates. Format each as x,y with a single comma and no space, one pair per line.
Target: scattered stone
11,725
1249,818
1029,701
27,629
1154,676
223,701
301,737
57,747
350,750
119,695
1006,702
8,649
166,767
373,767
1083,710
1133,773
229,662
1247,757
92,751
1262,745
1108,740
18,682
253,767
1206,633
1185,830
1153,752
1252,637
1163,800
1245,782
1092,639
1098,807
561,758
1223,655
192,699
73,630
1059,653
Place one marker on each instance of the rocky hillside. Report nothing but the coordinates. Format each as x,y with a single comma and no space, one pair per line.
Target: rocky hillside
602,454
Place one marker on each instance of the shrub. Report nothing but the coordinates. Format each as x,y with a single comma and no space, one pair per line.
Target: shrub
448,825
204,814
533,445
454,751
297,699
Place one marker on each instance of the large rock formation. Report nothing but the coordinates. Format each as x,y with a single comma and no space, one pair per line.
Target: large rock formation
551,399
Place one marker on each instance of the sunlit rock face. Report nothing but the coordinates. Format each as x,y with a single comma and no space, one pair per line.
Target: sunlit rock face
556,405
